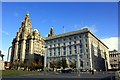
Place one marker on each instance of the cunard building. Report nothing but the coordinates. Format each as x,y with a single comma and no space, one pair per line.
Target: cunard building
28,45
80,46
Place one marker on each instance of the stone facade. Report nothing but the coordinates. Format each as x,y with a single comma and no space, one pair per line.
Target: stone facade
114,59
80,46
28,43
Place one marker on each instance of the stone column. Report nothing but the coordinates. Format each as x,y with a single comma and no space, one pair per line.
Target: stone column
16,51
31,49
45,57
78,61
23,46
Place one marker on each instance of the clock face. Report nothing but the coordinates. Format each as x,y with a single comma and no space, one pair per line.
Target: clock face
29,25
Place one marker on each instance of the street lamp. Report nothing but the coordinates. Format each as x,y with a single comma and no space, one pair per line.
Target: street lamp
105,62
45,58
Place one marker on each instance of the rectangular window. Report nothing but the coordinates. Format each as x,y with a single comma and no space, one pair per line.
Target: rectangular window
74,42
80,45
80,50
75,47
69,43
64,48
74,37
50,54
86,40
58,44
80,56
69,38
58,53
75,51
64,52
70,52
80,36
54,45
86,35
80,41
86,45
54,54
87,56
86,50
81,63
50,46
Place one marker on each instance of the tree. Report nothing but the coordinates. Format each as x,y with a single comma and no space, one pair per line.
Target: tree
16,64
40,65
73,64
64,63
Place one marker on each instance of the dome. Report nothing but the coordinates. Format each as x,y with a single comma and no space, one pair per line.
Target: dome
36,30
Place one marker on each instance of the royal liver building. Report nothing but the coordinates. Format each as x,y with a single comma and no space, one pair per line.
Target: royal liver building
28,44
81,47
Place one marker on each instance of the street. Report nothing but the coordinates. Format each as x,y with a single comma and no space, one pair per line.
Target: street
68,76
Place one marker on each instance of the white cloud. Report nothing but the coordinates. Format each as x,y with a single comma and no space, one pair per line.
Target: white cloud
111,42
4,32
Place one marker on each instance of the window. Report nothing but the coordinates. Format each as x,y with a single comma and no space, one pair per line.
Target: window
87,56
74,42
50,54
64,52
86,35
80,45
75,47
81,63
64,39
80,36
80,56
80,50
64,44
64,48
80,41
58,53
74,37
86,45
86,40
58,44
50,46
70,52
70,47
86,50
54,41
69,38
54,45
58,40
70,43
75,51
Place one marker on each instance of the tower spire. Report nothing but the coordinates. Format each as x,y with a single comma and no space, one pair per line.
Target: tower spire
52,33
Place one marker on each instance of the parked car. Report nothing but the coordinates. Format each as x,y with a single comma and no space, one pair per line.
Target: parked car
66,70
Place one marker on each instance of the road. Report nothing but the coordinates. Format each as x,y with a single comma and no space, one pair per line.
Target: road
65,76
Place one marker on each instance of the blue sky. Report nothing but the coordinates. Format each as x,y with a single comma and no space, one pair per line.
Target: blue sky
101,18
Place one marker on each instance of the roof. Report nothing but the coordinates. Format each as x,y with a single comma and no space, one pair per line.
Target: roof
85,30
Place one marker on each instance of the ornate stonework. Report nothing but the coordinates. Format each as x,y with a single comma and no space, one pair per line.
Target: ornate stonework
27,43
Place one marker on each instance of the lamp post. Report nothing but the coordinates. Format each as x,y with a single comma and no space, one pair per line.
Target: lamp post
105,62
78,64
45,58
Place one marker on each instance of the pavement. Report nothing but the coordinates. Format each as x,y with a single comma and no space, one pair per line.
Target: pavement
65,76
